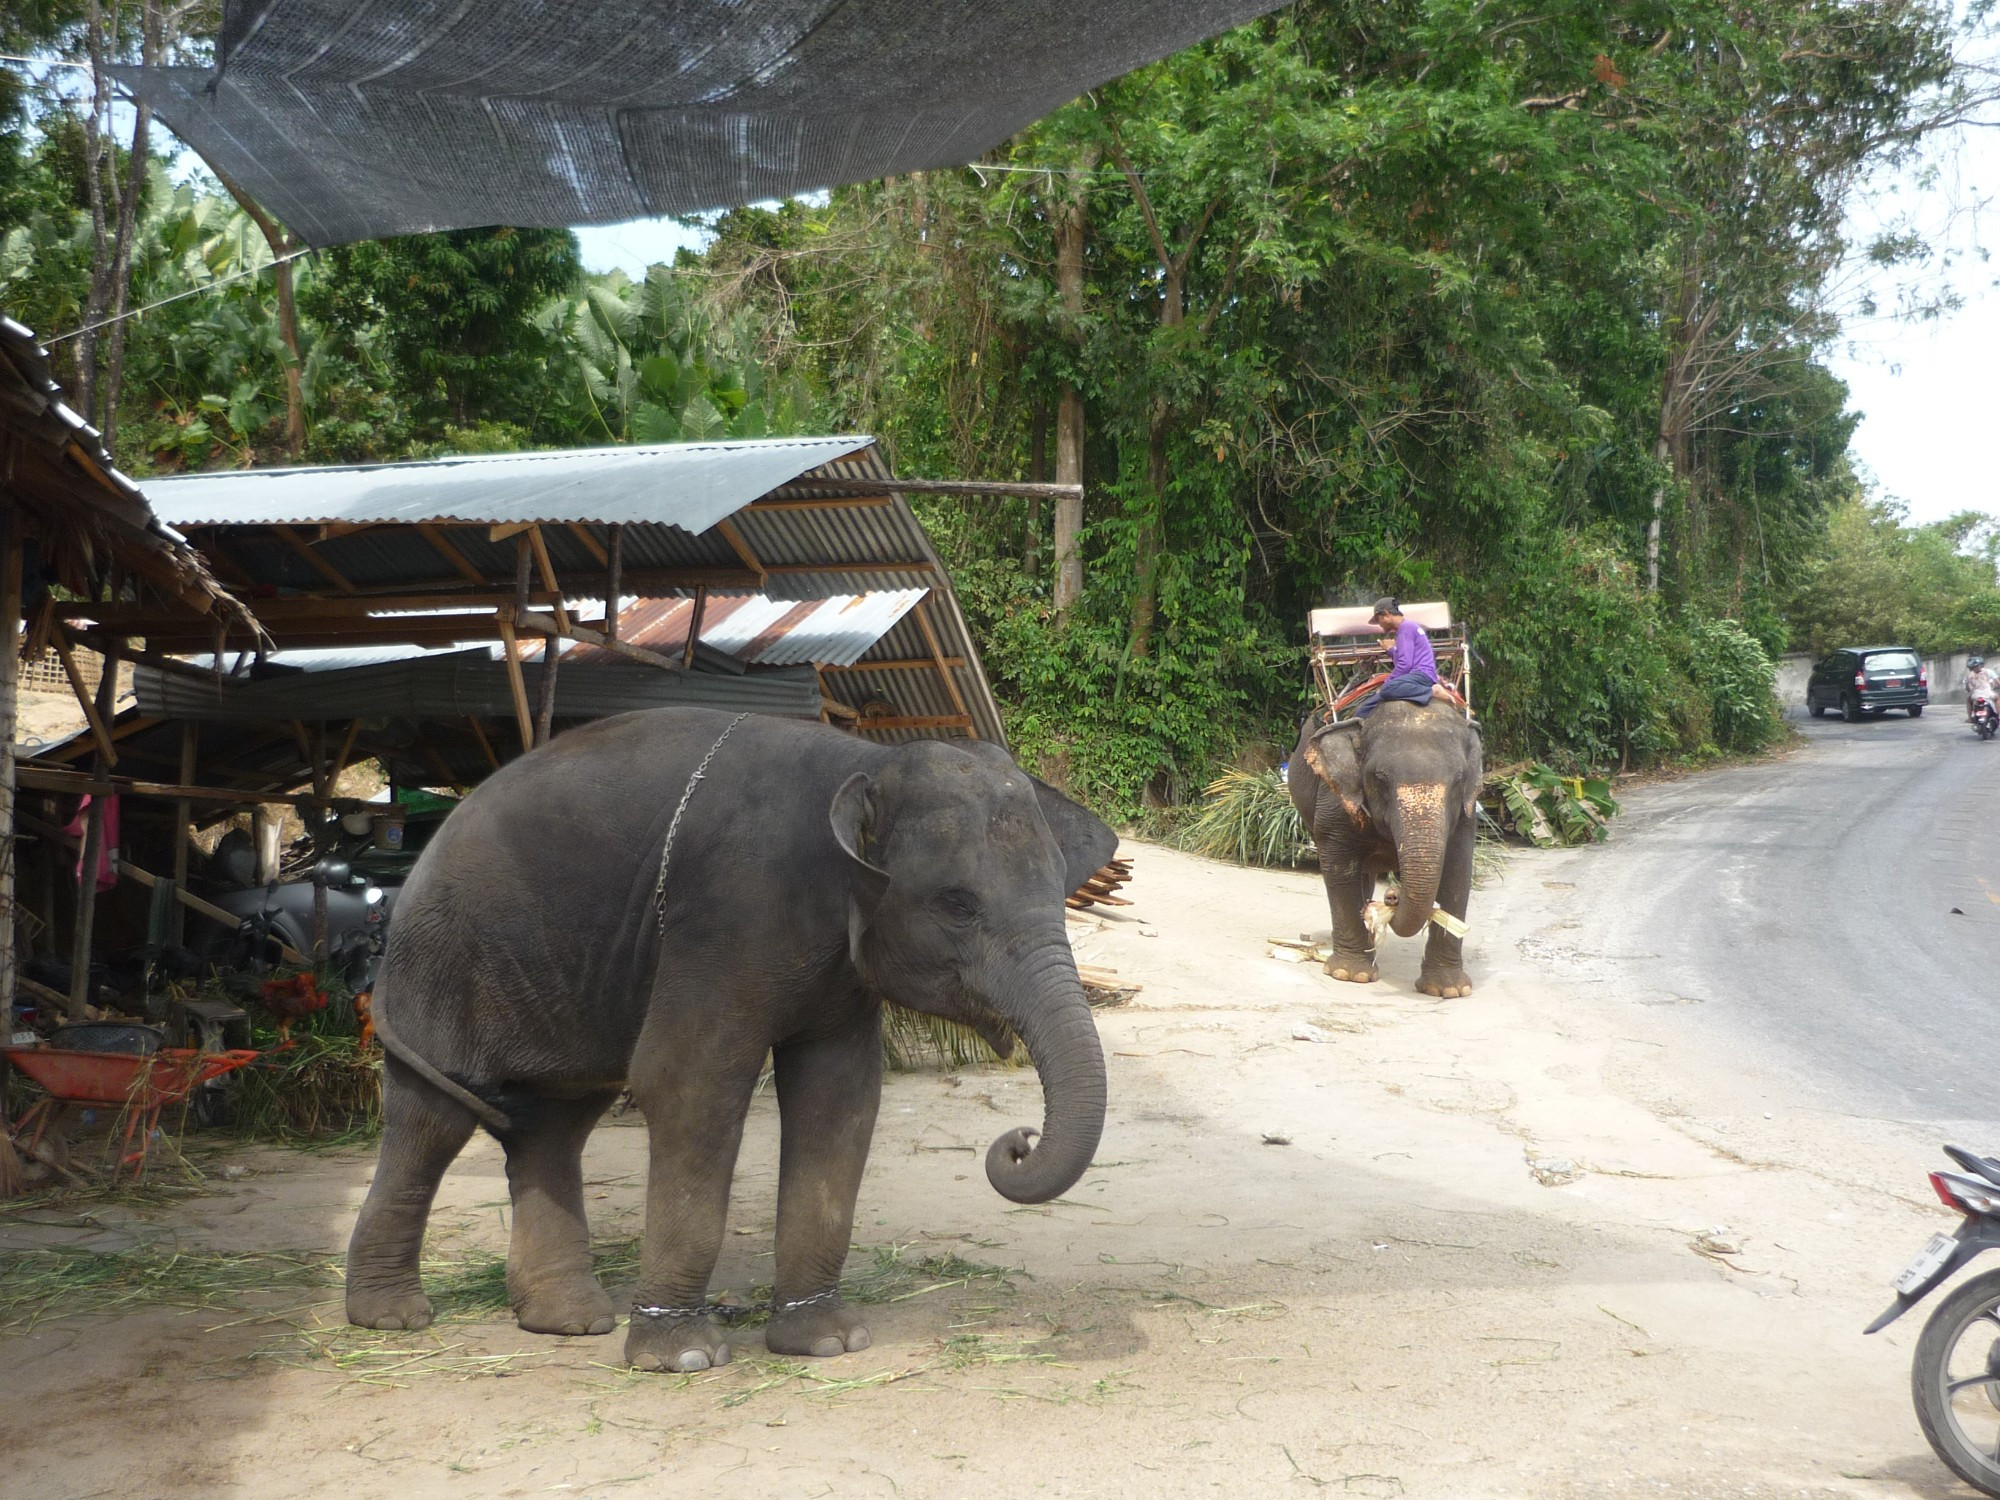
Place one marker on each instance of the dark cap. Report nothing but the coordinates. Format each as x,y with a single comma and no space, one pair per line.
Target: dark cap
1385,606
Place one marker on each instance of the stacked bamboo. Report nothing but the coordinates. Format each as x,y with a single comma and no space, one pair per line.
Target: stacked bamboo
1098,889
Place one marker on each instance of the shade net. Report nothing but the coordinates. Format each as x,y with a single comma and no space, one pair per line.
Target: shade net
354,119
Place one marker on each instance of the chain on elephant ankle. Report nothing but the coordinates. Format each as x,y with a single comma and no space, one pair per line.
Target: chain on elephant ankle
829,1295
668,1314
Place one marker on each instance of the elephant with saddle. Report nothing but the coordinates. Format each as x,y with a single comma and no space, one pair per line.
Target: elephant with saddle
1395,791
660,900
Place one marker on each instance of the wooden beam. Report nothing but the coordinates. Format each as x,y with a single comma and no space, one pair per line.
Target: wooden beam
934,721
93,846
501,533
340,760
60,640
614,591
596,548
485,745
694,627
898,664
442,546
741,548
320,565
548,570
76,783
894,565
516,684
10,673
148,620
923,614
843,502
183,816
76,749
331,529
545,709
966,487
545,625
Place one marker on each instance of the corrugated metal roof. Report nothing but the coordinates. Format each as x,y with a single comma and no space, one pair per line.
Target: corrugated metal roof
760,630
62,473
689,485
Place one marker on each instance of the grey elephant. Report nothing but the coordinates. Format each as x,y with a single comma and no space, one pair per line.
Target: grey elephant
658,901
1396,791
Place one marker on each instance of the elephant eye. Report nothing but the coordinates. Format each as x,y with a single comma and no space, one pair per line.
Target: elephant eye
956,905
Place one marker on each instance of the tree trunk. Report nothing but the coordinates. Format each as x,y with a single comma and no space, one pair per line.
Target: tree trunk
152,49
1071,220
1038,473
282,245
96,170
1660,453
1146,541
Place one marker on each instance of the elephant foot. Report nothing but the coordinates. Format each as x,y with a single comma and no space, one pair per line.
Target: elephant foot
387,1308
819,1329
675,1344
1352,968
1446,984
579,1307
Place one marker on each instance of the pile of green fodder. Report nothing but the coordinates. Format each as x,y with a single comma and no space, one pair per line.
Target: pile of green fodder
1248,817
325,1088
914,1041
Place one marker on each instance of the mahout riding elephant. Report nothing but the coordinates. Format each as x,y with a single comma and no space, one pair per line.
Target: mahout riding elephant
657,901
1396,791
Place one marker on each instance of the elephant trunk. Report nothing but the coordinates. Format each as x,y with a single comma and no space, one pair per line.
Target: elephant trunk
1420,844
1047,1009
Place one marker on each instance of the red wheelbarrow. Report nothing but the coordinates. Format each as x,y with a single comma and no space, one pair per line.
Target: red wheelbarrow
140,1086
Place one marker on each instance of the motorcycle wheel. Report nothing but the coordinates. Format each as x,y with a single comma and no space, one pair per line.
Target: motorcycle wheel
1955,1381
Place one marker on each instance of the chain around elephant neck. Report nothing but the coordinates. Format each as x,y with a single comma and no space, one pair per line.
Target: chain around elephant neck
673,828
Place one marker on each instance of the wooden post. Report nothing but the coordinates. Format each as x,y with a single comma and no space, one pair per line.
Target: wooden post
694,627
937,656
10,669
545,712
613,579
320,792
183,817
93,848
515,682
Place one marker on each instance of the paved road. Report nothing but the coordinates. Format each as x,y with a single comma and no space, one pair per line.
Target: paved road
1836,912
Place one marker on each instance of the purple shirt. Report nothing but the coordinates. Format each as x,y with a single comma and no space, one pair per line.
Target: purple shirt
1413,652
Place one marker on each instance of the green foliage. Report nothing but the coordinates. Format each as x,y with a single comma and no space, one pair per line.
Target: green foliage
1248,816
1875,580
1737,682
654,364
451,314
1539,804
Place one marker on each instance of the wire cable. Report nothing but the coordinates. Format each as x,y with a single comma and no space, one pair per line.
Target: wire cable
207,286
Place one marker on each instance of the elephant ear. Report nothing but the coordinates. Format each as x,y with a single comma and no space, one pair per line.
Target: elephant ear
1335,760
1086,841
852,810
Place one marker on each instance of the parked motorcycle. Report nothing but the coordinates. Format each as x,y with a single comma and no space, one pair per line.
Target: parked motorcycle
1955,1374
1985,718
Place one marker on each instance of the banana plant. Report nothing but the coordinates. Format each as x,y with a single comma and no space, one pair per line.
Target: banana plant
656,366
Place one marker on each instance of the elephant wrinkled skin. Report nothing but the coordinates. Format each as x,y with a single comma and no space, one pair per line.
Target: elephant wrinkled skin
531,975
1396,791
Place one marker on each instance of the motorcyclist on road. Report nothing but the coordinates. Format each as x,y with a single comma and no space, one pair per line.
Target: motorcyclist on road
1981,681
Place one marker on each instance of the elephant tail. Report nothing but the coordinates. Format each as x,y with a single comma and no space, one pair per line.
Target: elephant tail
493,1119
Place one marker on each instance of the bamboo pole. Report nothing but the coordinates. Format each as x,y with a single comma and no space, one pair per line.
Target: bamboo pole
10,674
545,711
613,567
93,846
183,818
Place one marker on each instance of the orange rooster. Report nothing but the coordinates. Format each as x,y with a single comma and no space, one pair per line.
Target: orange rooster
291,999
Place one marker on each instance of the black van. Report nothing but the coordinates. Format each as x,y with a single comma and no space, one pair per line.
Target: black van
1868,679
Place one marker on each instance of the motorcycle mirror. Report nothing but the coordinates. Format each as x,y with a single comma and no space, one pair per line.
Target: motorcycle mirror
332,871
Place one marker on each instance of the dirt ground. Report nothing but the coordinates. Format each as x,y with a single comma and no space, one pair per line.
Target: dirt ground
1547,1241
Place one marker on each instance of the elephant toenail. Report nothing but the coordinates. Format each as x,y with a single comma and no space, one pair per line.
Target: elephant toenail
604,1324
689,1360
857,1340
826,1348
